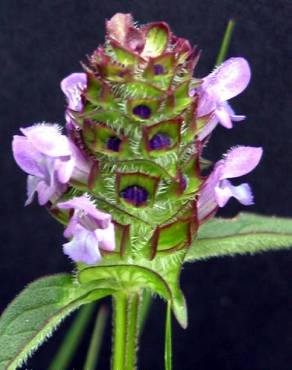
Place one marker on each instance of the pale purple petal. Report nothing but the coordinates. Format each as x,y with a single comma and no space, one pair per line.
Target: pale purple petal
207,202
240,160
82,165
31,186
87,208
72,86
45,192
27,157
48,140
83,247
72,226
228,80
208,128
234,117
206,103
64,169
223,117
226,190
238,118
106,237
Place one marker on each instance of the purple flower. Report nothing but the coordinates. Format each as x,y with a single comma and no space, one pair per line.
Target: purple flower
50,159
224,83
217,190
90,230
73,86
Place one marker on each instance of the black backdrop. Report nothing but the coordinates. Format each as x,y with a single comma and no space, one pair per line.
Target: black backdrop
239,308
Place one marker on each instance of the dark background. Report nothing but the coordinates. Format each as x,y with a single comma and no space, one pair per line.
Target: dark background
240,309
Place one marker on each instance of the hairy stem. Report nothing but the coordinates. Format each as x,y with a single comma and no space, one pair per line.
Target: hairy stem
168,339
125,330
132,331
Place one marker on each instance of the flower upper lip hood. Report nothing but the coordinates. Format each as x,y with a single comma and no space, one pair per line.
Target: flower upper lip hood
225,82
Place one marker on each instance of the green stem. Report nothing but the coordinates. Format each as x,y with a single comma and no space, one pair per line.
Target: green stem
119,331
125,330
225,42
96,339
132,331
168,339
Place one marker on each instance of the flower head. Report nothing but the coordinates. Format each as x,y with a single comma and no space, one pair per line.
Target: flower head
224,83
49,158
89,229
217,190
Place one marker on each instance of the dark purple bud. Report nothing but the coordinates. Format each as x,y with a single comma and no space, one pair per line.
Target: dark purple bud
135,194
114,143
143,111
158,69
160,141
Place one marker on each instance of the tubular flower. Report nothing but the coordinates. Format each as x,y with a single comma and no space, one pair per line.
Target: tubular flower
217,190
50,159
89,229
225,82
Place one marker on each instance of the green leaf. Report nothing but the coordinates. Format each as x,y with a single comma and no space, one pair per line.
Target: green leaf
32,317
245,234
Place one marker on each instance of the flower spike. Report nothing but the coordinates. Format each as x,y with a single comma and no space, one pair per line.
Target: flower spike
136,122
